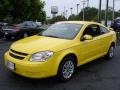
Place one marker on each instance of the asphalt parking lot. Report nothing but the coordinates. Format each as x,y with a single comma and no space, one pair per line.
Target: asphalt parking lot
101,74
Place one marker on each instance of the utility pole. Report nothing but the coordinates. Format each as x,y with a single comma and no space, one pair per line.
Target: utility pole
106,16
77,8
66,14
64,11
71,10
113,10
87,3
99,12
83,9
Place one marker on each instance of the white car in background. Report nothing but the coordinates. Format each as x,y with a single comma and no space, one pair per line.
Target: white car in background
38,23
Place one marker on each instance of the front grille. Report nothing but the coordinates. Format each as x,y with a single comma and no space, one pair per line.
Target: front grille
20,53
16,56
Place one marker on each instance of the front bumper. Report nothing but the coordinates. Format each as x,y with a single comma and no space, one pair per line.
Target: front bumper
32,69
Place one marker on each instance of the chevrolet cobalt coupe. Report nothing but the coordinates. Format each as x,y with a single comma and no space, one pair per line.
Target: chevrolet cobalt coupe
61,48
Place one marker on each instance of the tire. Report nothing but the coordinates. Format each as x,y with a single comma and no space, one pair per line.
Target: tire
66,69
110,53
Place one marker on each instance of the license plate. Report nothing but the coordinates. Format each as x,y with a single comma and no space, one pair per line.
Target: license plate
11,65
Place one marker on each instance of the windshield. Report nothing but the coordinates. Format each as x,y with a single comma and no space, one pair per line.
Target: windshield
62,30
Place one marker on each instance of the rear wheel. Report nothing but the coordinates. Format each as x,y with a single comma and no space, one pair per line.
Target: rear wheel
66,69
110,53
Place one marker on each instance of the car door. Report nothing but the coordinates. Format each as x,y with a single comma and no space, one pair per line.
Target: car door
90,49
105,39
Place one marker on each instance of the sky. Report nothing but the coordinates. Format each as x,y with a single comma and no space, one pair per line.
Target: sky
67,4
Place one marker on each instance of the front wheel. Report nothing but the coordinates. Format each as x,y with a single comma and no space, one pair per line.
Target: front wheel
110,53
66,69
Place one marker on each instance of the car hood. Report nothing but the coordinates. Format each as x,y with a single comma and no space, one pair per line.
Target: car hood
40,43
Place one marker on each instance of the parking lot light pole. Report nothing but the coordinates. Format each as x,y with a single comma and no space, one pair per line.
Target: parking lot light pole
83,9
106,16
87,3
113,15
71,10
77,8
66,14
113,10
64,11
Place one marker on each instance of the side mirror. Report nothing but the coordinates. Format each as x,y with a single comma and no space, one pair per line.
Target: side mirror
111,29
86,37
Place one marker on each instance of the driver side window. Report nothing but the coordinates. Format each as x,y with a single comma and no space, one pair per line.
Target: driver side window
92,30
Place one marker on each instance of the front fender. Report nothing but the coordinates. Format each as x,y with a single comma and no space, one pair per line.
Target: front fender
61,54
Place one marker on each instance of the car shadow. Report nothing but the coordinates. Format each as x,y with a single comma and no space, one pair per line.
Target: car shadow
93,64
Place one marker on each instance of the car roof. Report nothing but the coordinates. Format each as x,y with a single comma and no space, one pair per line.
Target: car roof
80,22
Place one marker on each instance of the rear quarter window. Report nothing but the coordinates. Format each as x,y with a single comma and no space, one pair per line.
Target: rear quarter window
103,30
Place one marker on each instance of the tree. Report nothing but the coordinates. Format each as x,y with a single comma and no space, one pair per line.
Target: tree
73,17
90,13
4,9
56,19
117,13
110,13
20,10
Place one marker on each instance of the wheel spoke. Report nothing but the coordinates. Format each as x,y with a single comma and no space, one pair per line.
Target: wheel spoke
68,69
111,52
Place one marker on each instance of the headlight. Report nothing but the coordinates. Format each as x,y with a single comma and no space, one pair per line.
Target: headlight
41,56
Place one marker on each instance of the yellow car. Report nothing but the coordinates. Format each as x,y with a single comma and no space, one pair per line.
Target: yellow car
61,48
